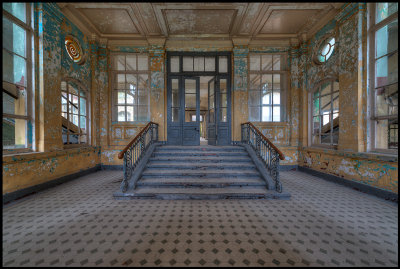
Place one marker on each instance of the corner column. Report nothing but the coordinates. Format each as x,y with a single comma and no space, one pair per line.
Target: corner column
157,84
240,109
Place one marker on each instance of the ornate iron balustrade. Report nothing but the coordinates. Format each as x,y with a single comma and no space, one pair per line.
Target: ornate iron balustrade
264,149
135,150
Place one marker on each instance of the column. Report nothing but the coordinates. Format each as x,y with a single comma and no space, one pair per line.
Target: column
240,110
157,85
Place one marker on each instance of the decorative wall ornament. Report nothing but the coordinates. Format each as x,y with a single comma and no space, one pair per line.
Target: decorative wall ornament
74,50
325,49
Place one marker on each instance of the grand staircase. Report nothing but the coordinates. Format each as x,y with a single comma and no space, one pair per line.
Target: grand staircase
200,172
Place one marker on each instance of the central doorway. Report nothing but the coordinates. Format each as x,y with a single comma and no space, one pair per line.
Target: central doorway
198,99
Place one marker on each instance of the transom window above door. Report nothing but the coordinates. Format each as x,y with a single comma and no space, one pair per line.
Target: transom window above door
207,63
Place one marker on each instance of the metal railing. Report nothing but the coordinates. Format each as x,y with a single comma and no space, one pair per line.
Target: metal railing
135,150
265,150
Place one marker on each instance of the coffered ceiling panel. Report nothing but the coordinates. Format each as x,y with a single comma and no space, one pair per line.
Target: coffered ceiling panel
148,18
195,21
199,21
110,21
286,21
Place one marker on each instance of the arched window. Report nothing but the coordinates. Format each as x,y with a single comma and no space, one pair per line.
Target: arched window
74,112
325,113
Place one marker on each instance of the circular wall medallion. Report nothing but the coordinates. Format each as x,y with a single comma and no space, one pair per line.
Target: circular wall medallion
325,50
74,50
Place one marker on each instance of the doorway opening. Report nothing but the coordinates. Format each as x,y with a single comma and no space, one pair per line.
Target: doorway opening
198,99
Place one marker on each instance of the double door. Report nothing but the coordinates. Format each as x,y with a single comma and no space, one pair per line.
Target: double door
183,100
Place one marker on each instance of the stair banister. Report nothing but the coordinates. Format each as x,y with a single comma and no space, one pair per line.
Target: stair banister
134,151
265,150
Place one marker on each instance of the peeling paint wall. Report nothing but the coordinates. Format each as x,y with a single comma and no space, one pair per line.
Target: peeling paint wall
348,64
363,168
25,170
53,64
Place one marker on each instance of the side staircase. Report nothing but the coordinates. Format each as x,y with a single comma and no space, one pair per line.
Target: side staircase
201,172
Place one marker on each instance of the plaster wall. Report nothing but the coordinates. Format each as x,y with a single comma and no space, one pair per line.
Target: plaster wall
25,170
348,64
52,64
108,138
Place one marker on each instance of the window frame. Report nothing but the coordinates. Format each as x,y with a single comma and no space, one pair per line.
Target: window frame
29,45
283,86
318,86
88,129
114,89
372,118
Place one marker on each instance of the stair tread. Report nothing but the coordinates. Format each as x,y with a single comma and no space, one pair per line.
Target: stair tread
235,157
199,190
192,171
210,153
202,180
163,147
203,164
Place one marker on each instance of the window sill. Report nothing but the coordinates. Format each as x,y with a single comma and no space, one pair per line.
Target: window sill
354,155
27,156
7,152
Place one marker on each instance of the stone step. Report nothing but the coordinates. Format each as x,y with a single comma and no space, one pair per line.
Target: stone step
199,173
180,153
214,159
200,166
201,193
200,182
201,148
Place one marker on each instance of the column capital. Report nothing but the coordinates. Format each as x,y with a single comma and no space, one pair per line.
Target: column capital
156,41
241,41
93,37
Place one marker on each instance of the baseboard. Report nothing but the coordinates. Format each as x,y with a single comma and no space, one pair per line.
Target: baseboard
8,197
112,167
387,195
288,167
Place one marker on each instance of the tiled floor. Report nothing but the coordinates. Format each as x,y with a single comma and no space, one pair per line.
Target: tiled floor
79,224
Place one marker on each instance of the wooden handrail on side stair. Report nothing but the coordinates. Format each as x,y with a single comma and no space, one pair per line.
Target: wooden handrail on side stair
265,150
135,150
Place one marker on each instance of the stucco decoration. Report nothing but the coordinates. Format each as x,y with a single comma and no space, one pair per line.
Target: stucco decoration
74,50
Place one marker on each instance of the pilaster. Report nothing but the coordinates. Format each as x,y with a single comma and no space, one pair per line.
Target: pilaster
157,84
240,109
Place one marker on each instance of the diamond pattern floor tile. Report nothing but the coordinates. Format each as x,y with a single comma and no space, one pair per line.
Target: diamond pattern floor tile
79,223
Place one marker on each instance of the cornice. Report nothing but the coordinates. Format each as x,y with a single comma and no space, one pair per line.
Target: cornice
88,31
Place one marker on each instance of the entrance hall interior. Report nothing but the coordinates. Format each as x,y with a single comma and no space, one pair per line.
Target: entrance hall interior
200,134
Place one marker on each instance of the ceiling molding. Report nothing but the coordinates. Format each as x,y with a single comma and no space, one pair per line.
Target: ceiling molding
70,14
273,43
128,42
322,22
205,44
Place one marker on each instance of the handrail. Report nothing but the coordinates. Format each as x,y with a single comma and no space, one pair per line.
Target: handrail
281,155
121,154
265,150
135,150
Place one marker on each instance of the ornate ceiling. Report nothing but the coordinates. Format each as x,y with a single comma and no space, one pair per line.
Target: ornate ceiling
200,21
